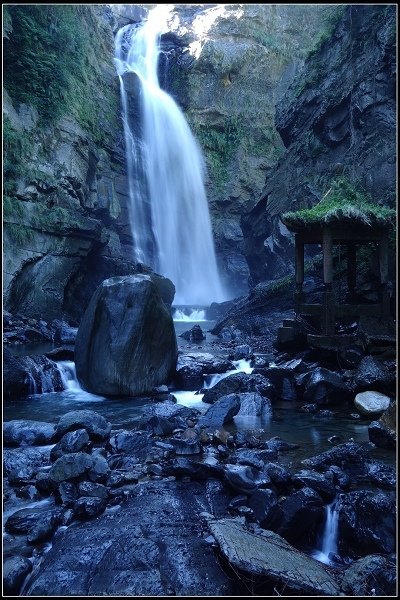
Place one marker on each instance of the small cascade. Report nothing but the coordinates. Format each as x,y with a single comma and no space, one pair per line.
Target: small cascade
195,315
241,366
189,398
329,539
32,384
68,375
42,375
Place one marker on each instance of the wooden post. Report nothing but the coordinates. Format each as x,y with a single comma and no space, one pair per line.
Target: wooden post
328,313
383,271
351,269
299,273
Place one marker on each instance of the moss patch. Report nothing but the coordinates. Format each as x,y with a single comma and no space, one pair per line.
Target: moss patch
53,62
341,203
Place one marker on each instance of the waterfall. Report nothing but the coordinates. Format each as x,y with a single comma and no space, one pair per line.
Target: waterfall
195,315
68,375
329,537
170,220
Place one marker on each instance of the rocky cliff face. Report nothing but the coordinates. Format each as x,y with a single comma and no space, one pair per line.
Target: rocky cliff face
338,116
66,224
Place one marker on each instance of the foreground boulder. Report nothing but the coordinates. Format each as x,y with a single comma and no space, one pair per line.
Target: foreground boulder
126,343
152,547
267,554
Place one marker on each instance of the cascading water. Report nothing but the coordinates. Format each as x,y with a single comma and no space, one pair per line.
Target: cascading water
328,543
170,212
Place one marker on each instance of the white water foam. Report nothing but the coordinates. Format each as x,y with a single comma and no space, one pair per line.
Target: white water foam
195,315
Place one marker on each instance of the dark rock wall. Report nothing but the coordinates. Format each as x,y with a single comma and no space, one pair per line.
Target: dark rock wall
66,208
337,117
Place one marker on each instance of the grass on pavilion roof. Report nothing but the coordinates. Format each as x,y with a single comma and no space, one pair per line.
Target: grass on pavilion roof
342,204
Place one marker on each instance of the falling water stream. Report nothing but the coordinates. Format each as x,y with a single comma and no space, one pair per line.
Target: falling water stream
171,224
329,537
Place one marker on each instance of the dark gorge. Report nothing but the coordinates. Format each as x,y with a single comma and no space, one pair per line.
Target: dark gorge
199,300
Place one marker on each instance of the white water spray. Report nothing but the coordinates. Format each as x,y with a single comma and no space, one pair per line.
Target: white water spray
170,219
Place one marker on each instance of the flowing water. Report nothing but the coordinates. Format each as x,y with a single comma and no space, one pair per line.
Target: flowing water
169,213
328,549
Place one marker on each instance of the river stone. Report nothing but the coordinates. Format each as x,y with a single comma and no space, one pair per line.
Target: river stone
373,575
238,383
367,522
25,519
96,425
325,387
152,547
186,447
44,529
245,479
126,343
99,469
24,375
157,425
371,403
70,466
297,516
382,433
196,470
267,554
221,412
133,443
315,481
15,570
21,464
252,404
27,433
342,455
73,441
169,409
261,503
88,507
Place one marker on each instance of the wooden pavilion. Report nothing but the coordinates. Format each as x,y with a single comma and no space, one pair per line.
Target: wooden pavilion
350,226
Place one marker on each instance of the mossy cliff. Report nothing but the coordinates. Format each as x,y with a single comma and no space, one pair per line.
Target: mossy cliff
65,190
338,122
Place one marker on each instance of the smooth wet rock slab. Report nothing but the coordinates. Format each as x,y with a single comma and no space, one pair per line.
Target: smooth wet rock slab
95,424
268,554
153,546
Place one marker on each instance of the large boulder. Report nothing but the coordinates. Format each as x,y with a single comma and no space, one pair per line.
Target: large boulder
367,522
126,342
